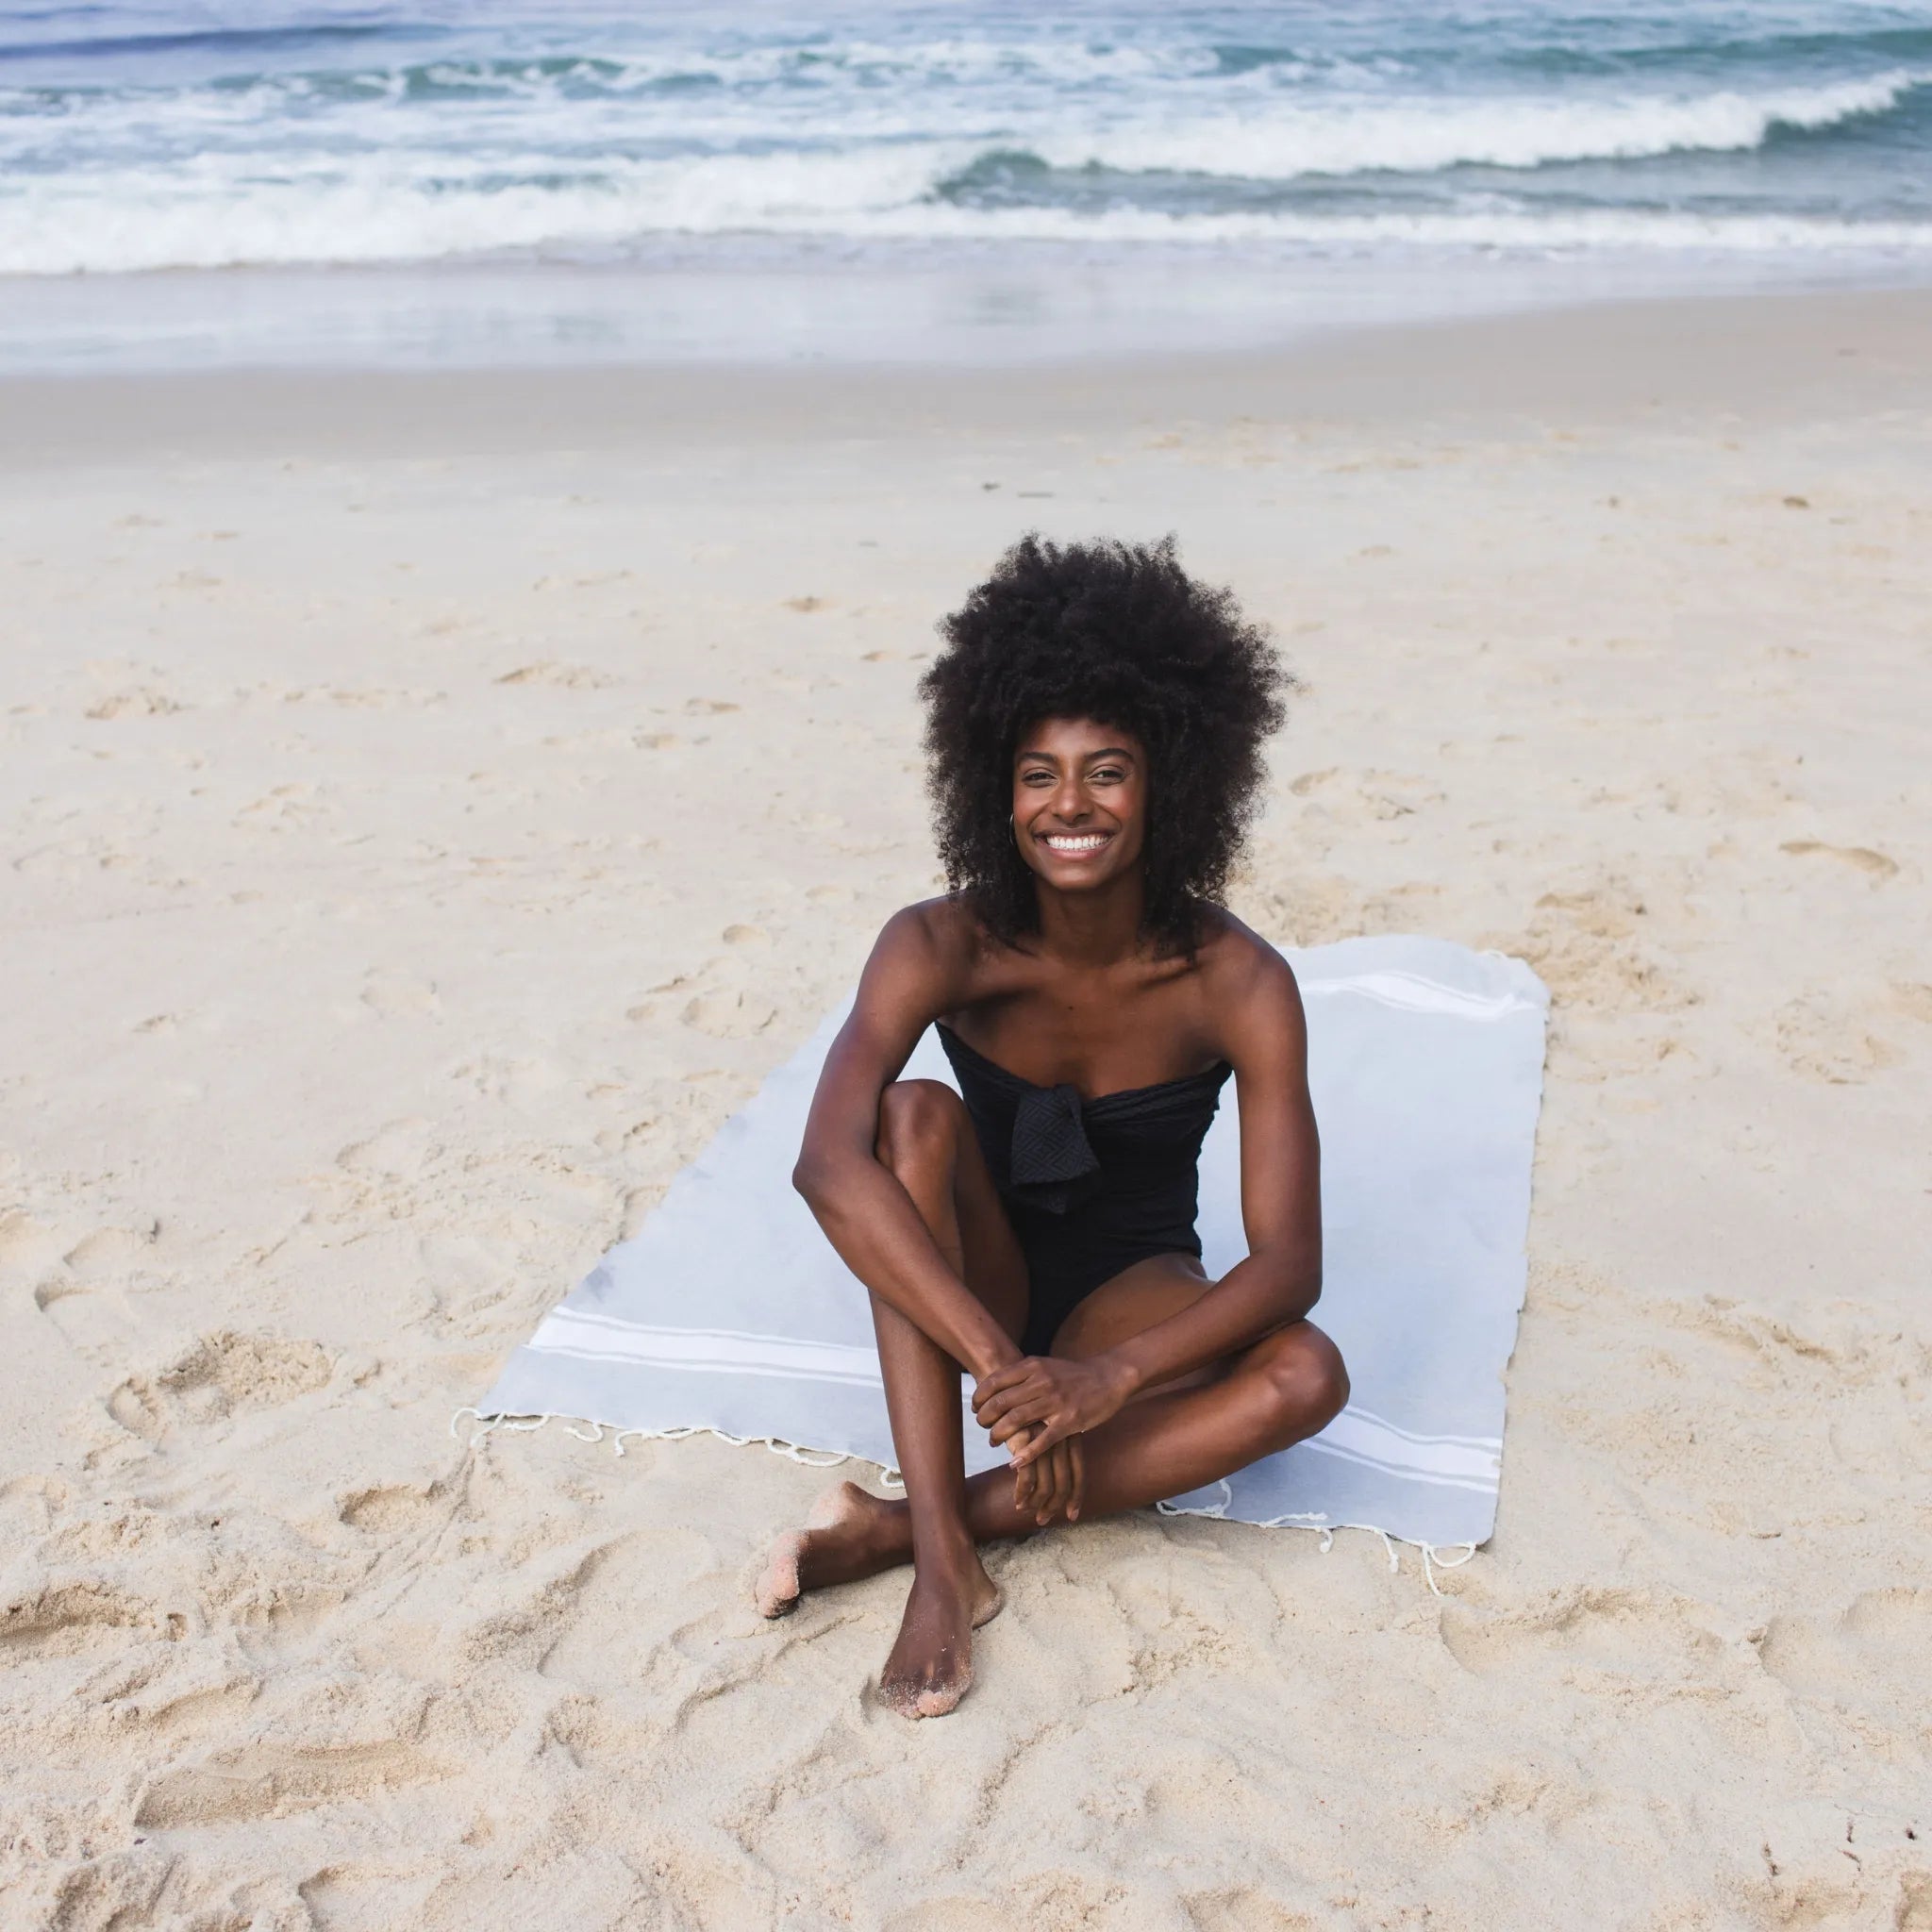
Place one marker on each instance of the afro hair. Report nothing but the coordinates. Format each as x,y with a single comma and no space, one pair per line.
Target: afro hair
1119,633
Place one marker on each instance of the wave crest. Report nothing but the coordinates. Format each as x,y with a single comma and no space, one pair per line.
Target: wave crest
373,218
1419,136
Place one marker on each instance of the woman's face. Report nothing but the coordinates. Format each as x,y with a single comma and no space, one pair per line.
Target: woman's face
1079,801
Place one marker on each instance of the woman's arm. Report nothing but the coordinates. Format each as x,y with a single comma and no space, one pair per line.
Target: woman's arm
1265,1037
866,1213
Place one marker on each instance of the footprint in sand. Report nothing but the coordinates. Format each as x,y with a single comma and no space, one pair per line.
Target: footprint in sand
1872,1660
396,1151
1874,864
140,701
1913,998
567,676
259,1781
1589,947
1825,1037
394,994
223,1373
729,1015
1634,1641
286,807
62,1619
28,1246
173,1708
726,1002
387,1512
110,1251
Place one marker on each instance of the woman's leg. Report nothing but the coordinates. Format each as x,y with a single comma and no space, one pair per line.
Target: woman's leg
1169,1440
927,1140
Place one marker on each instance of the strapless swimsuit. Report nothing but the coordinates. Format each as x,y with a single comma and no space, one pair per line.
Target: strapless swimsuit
1090,1186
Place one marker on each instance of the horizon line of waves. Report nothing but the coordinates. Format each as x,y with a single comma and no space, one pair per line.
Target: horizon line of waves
358,225
209,39
1758,54
1064,56
796,62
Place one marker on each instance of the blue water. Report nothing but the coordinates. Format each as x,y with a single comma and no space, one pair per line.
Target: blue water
149,135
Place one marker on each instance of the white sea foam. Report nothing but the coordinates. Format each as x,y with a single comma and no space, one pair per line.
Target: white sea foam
369,215
1280,140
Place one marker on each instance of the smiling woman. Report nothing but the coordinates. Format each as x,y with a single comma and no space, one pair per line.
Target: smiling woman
1095,728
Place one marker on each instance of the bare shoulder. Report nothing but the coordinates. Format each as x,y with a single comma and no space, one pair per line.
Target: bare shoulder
1246,985
1237,963
936,944
939,930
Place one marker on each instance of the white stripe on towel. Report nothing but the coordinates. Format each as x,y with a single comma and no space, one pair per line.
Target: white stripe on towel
1462,1462
1363,1439
1401,1472
1415,994
571,1331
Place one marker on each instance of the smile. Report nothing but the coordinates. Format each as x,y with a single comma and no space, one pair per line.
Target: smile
1074,844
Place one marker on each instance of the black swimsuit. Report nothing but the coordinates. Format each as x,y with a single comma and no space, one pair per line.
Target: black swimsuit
1090,1186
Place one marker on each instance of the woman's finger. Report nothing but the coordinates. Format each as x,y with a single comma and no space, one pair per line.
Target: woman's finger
1003,1378
1028,1415
987,1412
988,1407
1070,1493
1053,1484
1050,1433
1042,1489
1024,1481
1076,1459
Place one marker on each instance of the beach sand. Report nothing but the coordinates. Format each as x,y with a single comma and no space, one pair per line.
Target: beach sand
430,804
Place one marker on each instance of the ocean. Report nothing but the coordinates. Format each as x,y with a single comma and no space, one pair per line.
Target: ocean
495,178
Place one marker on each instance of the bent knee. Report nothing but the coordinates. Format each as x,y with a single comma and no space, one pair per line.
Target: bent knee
1303,1383
918,1120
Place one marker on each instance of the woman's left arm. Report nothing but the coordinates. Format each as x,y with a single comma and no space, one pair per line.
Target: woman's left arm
1266,1038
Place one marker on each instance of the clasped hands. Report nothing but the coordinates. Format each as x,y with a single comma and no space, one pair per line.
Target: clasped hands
1039,1408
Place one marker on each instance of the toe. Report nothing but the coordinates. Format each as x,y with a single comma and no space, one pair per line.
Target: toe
938,1700
778,1587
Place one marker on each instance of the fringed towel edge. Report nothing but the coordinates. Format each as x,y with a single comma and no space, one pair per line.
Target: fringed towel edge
1435,1556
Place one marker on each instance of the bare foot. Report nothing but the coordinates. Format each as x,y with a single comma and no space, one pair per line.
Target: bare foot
930,1669
848,1535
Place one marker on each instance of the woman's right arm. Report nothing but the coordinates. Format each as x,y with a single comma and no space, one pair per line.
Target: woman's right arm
866,1213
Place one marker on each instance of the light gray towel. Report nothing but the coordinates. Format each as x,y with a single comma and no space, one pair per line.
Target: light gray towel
730,1312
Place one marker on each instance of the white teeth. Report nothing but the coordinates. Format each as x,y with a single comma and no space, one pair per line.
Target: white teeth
1084,841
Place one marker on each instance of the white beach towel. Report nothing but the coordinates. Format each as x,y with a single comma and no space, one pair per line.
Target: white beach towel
730,1312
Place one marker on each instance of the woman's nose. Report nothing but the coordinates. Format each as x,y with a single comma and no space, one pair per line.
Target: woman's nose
1070,801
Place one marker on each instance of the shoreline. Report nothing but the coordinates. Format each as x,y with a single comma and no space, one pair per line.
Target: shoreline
971,307
1695,357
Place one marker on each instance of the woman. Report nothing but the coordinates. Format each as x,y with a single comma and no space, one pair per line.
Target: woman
1094,729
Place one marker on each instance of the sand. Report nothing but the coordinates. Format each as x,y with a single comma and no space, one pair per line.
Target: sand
431,805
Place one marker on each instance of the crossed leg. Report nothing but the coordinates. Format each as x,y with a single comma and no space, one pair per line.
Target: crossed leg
1175,1438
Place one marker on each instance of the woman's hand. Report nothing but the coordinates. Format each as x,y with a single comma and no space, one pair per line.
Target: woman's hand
1042,1401
1055,1484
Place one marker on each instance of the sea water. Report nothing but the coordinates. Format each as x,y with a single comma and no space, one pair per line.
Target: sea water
486,180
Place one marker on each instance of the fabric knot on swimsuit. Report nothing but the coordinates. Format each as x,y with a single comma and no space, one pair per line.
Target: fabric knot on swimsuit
1090,1186
1052,1156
